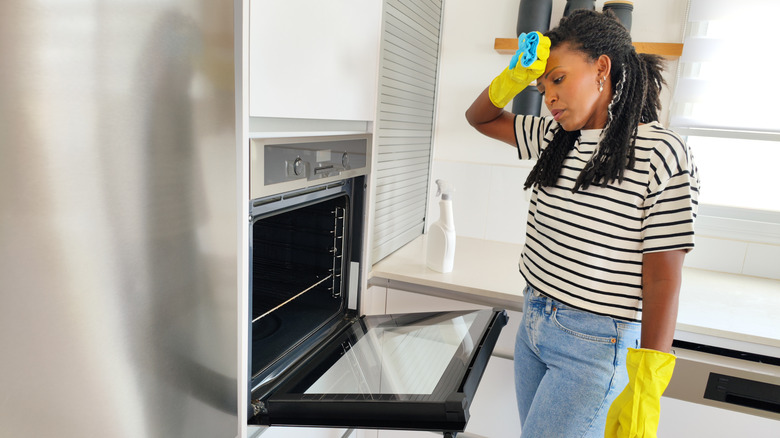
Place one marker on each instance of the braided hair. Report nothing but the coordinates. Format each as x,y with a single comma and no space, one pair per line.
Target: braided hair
637,83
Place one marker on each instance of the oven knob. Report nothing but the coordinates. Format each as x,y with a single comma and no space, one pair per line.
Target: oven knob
345,160
298,166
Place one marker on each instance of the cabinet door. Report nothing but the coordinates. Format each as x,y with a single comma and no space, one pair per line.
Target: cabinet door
314,59
400,301
493,412
405,122
407,434
302,432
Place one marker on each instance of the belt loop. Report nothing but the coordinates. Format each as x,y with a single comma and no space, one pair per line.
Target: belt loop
548,305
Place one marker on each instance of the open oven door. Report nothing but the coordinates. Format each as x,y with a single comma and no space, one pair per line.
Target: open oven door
413,371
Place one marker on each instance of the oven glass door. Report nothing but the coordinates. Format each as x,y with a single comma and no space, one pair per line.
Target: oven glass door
413,371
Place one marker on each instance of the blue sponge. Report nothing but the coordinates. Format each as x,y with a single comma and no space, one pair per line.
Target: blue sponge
526,50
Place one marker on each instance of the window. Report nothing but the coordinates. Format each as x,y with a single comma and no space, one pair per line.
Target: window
724,103
727,72
738,172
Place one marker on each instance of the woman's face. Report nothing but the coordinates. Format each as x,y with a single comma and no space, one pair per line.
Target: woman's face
570,86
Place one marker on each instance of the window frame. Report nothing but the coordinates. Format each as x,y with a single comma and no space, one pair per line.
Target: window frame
737,223
719,221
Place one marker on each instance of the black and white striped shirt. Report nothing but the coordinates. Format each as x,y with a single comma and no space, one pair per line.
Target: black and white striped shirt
585,248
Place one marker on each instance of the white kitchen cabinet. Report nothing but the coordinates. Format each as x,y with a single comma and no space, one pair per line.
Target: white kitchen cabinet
685,419
396,434
400,301
310,59
373,300
494,411
406,434
304,432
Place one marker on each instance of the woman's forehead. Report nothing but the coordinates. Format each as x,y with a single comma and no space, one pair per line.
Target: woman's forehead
566,50
564,56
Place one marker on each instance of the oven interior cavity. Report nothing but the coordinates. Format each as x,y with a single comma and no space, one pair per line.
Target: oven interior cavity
298,258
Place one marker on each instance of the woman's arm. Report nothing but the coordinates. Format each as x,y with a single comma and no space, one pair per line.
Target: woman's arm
487,113
638,407
491,120
661,278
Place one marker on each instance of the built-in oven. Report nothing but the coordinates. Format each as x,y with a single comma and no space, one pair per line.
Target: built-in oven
314,359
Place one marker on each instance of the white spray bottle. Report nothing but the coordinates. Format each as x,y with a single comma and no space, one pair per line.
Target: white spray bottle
441,235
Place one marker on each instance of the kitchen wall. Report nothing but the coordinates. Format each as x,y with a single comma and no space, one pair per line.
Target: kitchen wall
489,202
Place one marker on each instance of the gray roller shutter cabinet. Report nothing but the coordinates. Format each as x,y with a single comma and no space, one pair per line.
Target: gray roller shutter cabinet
406,111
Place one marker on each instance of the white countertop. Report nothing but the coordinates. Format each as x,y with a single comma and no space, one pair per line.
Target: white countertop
726,310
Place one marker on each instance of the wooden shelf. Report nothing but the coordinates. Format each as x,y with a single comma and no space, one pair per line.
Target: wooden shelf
667,50
508,46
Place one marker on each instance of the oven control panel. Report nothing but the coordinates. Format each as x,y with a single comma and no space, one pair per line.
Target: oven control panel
283,164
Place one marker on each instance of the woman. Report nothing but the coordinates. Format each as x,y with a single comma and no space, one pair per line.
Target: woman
611,218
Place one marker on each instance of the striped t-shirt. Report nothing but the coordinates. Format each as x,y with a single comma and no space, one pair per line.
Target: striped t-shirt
585,248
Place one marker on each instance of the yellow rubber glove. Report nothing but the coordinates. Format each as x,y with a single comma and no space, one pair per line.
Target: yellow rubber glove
636,411
516,77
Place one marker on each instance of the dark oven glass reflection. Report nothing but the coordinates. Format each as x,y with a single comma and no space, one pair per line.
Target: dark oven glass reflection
297,263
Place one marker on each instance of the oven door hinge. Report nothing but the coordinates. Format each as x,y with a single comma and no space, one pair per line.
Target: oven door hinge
258,408
351,317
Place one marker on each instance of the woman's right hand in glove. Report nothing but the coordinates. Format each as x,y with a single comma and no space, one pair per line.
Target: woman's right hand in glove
526,65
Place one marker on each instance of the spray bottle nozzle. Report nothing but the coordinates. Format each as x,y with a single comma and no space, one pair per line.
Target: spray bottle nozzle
444,189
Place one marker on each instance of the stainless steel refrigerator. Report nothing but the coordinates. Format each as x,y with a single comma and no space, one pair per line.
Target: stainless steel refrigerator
118,219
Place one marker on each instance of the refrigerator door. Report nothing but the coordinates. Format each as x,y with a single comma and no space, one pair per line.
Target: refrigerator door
412,371
119,214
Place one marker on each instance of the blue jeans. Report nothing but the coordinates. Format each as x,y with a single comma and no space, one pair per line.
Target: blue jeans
569,366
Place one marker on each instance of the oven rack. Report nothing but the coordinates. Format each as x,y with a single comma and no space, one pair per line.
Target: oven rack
278,284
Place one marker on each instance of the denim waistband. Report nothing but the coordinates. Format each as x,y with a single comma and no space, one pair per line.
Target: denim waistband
551,303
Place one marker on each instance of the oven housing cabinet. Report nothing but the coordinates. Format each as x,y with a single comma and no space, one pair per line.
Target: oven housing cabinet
314,360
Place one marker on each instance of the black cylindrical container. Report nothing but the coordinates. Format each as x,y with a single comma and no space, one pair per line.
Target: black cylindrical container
528,102
623,9
533,15
572,5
